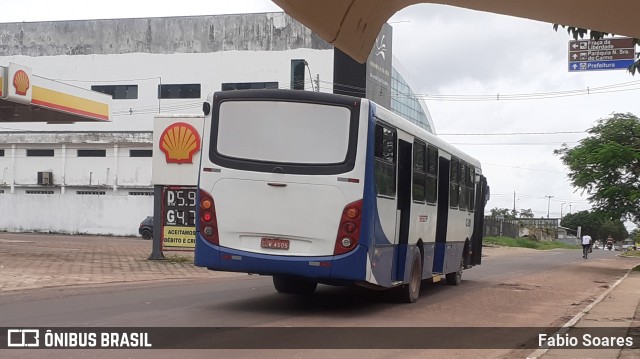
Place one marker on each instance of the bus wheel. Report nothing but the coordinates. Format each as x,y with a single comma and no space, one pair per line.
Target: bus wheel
290,285
409,293
456,277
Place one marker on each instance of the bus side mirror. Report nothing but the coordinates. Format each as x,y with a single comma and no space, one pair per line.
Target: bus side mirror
487,194
206,108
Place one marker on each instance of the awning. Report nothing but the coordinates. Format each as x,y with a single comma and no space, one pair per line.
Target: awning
352,25
25,97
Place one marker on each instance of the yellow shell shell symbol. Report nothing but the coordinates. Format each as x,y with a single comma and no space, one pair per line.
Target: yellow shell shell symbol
21,82
180,142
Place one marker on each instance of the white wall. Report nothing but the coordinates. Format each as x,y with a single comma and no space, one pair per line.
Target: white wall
116,212
90,214
148,70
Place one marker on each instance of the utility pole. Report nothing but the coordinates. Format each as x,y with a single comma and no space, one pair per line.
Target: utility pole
514,203
548,205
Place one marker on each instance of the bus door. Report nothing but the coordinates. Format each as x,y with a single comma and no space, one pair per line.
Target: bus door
482,194
405,151
443,215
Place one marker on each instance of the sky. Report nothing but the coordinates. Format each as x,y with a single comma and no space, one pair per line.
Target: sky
467,65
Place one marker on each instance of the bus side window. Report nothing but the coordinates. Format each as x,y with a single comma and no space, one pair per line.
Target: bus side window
432,174
454,186
462,181
472,188
419,171
385,161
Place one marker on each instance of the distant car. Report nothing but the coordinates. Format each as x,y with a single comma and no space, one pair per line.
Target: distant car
146,228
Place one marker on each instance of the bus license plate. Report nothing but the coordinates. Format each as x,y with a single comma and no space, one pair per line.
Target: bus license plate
274,243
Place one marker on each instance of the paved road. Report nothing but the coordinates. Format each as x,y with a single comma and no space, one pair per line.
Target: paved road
514,287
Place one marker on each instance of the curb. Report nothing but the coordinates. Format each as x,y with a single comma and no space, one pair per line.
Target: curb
542,351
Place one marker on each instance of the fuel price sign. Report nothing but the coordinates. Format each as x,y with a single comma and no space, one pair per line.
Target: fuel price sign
179,217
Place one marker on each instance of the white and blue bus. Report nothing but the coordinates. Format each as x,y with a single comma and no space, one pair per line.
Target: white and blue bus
320,188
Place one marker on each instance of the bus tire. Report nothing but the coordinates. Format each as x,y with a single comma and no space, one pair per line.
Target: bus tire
291,285
455,278
410,292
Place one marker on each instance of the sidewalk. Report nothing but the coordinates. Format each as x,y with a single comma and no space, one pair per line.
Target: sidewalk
615,310
30,261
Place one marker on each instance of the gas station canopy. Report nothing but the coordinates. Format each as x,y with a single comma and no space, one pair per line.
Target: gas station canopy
353,25
25,97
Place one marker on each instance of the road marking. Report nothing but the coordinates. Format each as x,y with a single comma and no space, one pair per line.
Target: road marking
2,240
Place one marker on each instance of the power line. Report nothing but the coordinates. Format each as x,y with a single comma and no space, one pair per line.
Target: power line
522,168
511,143
511,133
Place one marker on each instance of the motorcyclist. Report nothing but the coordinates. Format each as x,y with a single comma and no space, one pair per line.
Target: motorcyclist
609,242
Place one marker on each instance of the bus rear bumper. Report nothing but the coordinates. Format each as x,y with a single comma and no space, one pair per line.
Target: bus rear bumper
348,266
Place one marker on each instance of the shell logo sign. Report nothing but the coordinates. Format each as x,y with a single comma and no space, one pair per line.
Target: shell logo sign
179,142
21,82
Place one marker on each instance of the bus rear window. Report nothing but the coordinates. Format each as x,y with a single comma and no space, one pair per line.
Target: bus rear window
283,132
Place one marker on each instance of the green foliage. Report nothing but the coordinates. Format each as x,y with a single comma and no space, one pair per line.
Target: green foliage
577,32
606,165
526,243
526,213
504,212
509,214
595,224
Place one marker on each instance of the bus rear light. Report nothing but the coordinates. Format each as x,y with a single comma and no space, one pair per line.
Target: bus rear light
352,213
349,229
208,221
208,231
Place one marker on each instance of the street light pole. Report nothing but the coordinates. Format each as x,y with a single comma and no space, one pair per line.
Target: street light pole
561,204
548,205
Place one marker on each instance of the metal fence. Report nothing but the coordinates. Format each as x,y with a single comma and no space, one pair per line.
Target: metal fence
500,228
540,229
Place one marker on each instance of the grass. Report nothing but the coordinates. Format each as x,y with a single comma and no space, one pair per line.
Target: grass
631,254
527,243
636,268
176,258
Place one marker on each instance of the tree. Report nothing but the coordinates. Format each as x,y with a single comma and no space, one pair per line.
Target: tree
596,224
510,214
526,213
606,165
577,32
506,213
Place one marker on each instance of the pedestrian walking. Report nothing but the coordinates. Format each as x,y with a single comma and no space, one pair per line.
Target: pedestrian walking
586,244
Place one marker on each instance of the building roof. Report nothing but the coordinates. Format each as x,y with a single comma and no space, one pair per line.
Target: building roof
352,26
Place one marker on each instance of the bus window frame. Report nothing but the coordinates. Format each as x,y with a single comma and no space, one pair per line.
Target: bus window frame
431,149
384,125
419,144
348,164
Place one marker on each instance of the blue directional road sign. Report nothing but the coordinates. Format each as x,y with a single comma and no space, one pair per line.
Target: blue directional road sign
617,53
600,65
